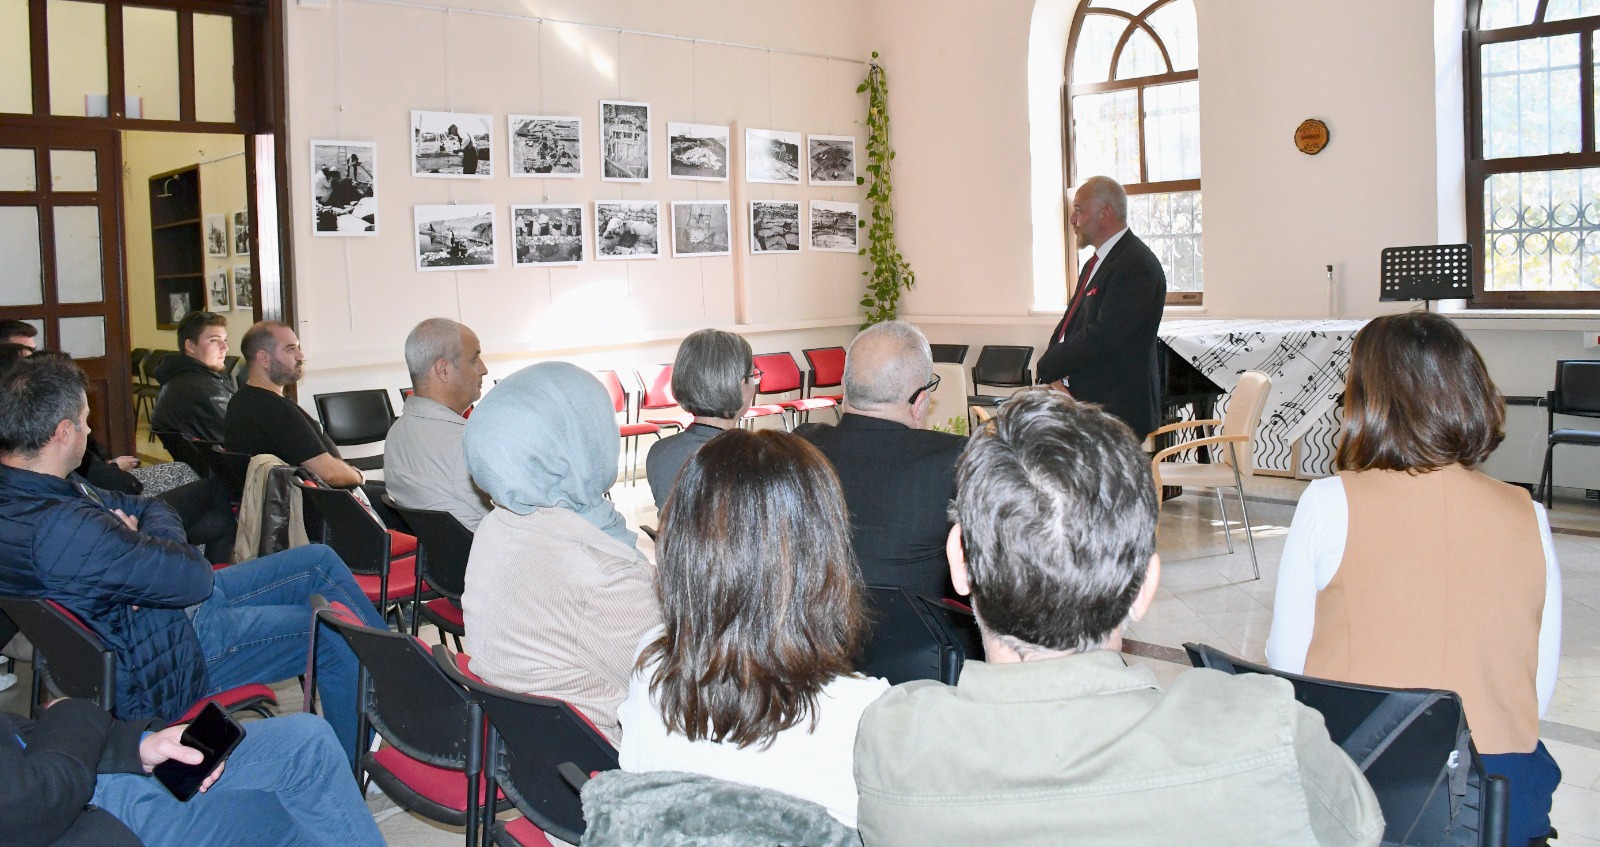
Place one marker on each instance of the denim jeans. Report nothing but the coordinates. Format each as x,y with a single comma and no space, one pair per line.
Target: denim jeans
256,628
286,784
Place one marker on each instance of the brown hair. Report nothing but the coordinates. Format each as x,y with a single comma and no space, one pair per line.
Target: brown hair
1418,398
759,590
194,324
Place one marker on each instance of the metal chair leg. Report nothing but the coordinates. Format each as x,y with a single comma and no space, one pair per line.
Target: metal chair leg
1249,534
1227,531
1547,481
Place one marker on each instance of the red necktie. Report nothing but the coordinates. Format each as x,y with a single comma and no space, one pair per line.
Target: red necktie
1083,286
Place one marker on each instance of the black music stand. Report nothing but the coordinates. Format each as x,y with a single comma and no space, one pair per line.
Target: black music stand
1427,273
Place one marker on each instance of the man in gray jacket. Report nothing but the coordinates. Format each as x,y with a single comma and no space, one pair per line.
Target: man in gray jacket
1054,739
424,465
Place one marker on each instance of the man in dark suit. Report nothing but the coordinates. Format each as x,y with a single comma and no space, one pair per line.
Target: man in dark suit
898,478
1104,349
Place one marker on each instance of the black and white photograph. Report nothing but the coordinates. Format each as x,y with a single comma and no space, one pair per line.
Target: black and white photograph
344,180
451,144
244,298
624,141
774,226
772,156
241,233
547,235
627,229
834,226
217,294
701,228
697,151
217,235
546,145
832,159
455,237
178,302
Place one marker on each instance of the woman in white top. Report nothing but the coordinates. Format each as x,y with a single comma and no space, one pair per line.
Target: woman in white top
750,678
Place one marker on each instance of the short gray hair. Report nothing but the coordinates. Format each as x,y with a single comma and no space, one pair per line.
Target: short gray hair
709,371
885,365
1104,189
430,341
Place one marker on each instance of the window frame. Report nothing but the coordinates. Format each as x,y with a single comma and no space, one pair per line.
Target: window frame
1139,84
1479,169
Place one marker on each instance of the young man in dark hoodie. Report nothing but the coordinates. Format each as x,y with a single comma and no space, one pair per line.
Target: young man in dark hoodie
195,388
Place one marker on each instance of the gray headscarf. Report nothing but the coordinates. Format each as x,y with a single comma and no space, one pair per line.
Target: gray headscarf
546,437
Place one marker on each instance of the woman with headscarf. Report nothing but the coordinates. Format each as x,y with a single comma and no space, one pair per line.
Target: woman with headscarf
557,595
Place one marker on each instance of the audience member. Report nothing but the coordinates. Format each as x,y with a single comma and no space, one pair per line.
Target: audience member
750,681
122,564
195,387
1055,736
898,478
1412,569
712,379
557,595
18,332
82,778
261,419
424,466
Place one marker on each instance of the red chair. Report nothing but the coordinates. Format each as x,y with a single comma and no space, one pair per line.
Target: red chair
827,371
444,545
780,375
656,380
620,405
382,560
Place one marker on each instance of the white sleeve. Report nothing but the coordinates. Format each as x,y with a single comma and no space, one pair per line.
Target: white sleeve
1311,556
1550,621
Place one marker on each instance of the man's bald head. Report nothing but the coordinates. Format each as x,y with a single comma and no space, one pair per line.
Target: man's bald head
885,366
1105,191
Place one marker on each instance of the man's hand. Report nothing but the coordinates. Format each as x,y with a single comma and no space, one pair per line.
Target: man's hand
127,519
168,744
126,463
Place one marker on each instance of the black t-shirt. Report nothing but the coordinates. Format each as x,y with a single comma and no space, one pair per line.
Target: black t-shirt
262,421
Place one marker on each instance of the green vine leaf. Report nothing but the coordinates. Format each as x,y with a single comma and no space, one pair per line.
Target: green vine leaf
891,274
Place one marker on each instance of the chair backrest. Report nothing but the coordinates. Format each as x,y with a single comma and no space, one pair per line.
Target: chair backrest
232,467
190,451
1577,388
76,663
827,366
954,354
538,738
779,373
1243,417
613,384
152,362
1003,366
231,363
239,372
405,393
913,637
443,546
1403,740
135,359
656,380
356,417
352,531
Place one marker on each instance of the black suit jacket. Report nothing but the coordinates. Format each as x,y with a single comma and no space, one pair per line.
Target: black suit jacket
1109,355
898,483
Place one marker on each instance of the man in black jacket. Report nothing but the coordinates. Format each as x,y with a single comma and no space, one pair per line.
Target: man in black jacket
195,390
898,478
1104,349
79,777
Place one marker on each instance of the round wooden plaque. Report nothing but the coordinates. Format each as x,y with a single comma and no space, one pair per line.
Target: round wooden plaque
1311,136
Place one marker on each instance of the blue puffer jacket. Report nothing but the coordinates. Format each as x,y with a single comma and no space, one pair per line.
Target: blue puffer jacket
130,587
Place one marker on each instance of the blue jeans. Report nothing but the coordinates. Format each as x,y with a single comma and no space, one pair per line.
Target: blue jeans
286,784
257,626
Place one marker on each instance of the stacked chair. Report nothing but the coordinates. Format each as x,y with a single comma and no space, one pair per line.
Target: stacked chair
780,375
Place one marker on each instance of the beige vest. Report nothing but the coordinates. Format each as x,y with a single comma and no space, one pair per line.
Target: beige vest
1441,586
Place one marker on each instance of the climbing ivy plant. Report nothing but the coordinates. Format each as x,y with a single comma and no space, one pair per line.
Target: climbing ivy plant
890,273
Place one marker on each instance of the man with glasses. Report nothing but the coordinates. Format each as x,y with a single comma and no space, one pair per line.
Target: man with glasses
898,478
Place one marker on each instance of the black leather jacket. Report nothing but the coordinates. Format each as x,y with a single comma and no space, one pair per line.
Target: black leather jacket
194,399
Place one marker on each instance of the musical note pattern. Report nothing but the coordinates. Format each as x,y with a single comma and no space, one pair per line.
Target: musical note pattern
1307,361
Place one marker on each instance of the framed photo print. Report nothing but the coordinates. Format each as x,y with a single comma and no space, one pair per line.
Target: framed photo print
455,237
241,233
835,226
344,184
545,145
217,294
772,156
627,229
774,226
701,228
548,235
697,151
216,236
451,144
831,159
624,141
244,296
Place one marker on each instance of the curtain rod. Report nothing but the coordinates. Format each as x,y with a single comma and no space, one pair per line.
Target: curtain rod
410,4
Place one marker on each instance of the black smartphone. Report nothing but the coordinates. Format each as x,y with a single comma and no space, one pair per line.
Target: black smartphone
214,733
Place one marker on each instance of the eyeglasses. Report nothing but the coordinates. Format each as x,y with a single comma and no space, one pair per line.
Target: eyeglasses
753,376
933,385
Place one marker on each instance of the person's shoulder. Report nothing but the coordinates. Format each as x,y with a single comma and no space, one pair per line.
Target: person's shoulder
1217,703
814,432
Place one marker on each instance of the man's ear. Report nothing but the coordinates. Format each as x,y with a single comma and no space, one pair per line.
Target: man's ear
65,428
957,555
1147,591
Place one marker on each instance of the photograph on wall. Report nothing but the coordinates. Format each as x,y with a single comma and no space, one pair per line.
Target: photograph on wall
624,141
455,237
546,145
627,229
217,299
834,226
832,159
217,235
344,179
774,226
697,151
178,302
547,235
451,144
772,156
701,228
241,233
244,297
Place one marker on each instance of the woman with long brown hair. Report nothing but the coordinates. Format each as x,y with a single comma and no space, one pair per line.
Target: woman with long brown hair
750,679
1413,569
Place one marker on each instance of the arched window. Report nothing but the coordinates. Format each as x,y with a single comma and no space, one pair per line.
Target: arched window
1533,173
1132,112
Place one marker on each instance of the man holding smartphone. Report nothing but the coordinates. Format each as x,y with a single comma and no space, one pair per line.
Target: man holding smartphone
77,776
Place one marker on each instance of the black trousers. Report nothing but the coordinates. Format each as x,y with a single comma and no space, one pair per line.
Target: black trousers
207,517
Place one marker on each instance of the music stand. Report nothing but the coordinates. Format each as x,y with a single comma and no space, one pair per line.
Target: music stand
1427,273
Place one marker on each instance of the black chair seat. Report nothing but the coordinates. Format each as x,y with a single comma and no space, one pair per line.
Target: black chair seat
986,399
367,463
1575,436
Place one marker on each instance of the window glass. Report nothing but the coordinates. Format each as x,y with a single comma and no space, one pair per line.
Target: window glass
17,169
1170,224
21,278
1140,57
73,170
1106,134
1530,97
1495,14
1175,23
78,272
16,68
150,60
1543,231
1563,10
213,68
1091,60
1172,131
77,58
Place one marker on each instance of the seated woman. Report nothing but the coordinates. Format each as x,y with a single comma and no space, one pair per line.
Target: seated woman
712,379
1411,569
557,596
750,680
